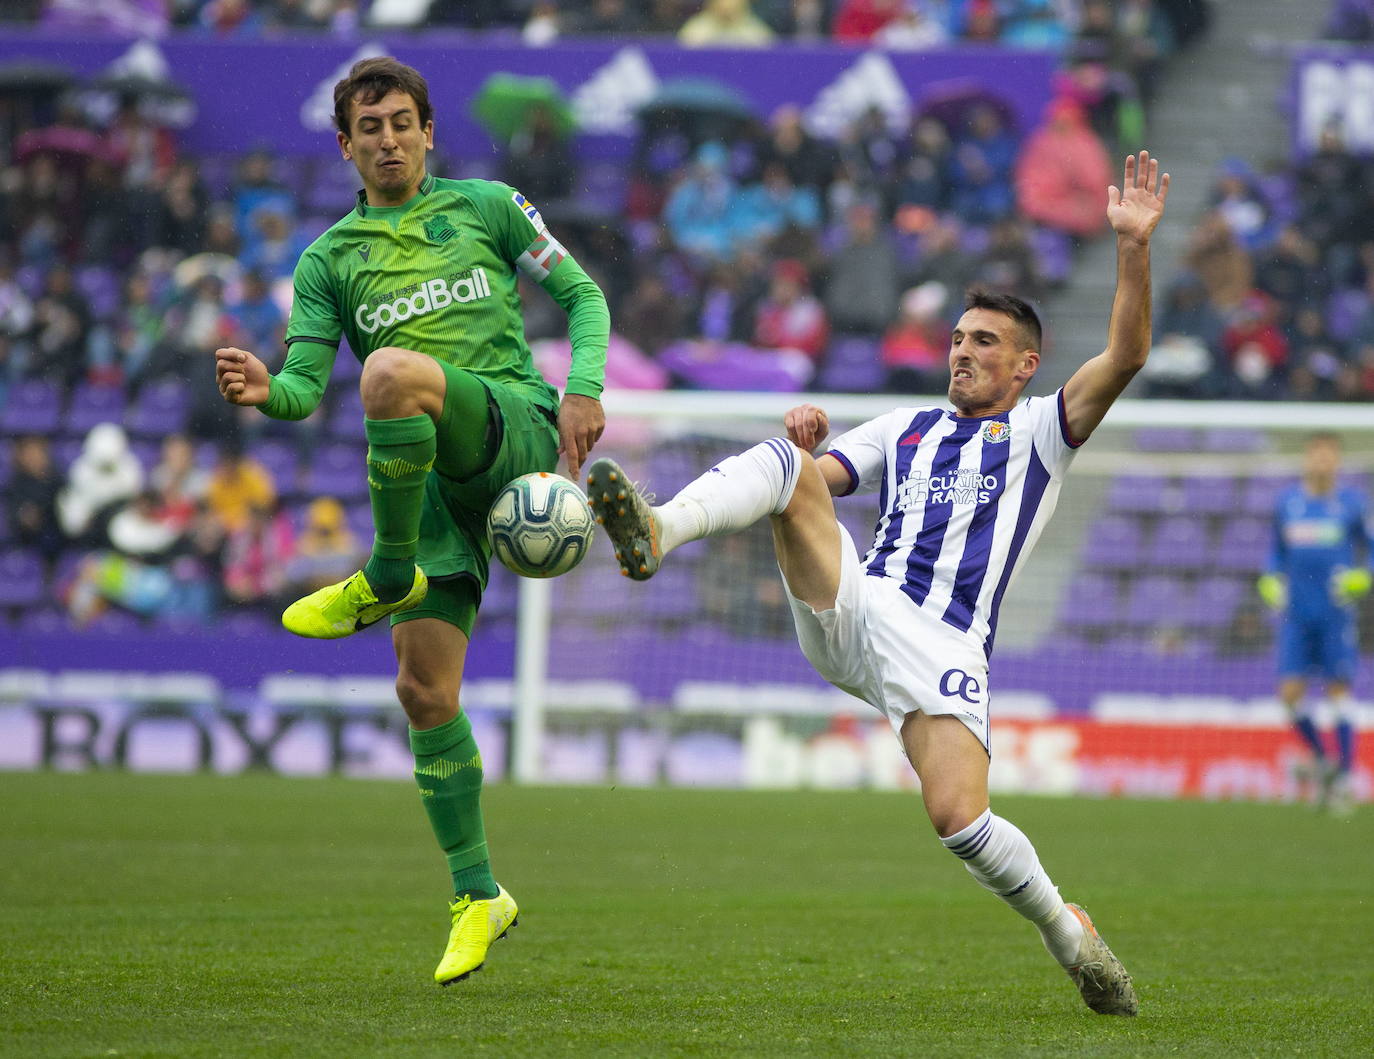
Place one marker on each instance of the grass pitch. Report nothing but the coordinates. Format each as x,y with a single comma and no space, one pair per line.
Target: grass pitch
260,916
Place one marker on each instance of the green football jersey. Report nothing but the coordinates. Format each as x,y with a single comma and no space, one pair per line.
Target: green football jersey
437,275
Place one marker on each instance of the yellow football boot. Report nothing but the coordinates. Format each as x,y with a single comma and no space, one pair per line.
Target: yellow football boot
341,610
476,924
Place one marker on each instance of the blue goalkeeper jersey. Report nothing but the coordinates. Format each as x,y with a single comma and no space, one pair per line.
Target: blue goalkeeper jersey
1314,536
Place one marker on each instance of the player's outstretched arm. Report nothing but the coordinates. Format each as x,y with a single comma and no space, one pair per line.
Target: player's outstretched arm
241,377
1133,210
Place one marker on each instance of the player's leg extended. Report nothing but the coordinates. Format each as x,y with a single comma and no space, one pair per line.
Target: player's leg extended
732,495
430,653
953,767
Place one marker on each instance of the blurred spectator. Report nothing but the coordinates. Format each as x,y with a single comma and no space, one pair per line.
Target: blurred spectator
61,327
924,176
256,556
981,172
809,162
179,482
1185,360
728,304
197,320
604,18
257,317
864,275
1291,271
104,476
774,204
538,160
256,186
1062,172
1034,24
1237,199
725,23
183,210
16,308
1256,347
1330,187
144,529
912,30
33,491
1225,270
701,213
915,349
1316,360
982,22
941,256
138,328
325,550
791,317
1008,264
856,21
652,316
238,485
275,245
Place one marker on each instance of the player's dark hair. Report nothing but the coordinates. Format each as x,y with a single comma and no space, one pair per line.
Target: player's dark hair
370,80
1008,305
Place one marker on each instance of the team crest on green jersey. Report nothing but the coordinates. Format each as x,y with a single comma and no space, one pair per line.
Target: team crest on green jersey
439,230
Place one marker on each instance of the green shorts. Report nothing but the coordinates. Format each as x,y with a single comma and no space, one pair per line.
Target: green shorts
453,550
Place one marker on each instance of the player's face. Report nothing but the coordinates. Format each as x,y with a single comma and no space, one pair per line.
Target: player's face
989,364
388,145
1321,460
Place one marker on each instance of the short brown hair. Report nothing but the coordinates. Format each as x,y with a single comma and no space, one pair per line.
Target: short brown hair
1009,305
374,78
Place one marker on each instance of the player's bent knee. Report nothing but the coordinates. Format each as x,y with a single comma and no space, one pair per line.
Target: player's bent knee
812,495
426,705
398,382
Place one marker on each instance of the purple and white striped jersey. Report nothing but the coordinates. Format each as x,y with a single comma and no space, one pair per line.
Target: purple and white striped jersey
963,501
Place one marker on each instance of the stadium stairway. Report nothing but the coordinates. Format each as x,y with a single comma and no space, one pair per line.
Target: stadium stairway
1216,99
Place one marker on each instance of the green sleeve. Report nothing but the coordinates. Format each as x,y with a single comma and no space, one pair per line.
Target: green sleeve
528,244
295,391
312,337
589,325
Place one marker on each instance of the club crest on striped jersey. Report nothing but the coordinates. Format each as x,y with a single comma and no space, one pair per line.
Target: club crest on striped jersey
439,229
996,432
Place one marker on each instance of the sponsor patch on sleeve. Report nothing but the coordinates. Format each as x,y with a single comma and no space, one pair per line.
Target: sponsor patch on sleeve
529,209
542,257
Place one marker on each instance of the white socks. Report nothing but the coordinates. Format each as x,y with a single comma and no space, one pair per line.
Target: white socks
1003,860
733,494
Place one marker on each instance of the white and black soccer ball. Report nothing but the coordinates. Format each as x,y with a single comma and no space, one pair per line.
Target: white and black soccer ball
540,525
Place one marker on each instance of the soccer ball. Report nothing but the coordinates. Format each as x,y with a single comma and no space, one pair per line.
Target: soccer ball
540,525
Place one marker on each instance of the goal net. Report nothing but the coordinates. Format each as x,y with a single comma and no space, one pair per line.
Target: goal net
1134,655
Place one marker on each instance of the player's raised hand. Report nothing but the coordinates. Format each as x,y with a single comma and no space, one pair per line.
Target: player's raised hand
241,377
580,423
807,425
1136,207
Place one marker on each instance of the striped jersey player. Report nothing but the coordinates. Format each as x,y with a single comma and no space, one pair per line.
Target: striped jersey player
964,492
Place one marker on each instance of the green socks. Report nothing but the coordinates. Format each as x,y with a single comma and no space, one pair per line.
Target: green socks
448,770
400,453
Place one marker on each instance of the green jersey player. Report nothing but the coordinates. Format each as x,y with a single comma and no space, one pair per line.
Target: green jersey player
420,277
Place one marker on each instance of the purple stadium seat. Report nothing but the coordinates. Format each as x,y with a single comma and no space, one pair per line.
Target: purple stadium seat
1166,439
93,403
101,287
359,518
348,369
332,189
346,421
600,592
281,461
852,365
1344,311
1209,496
1090,602
603,186
1232,439
1260,495
1216,600
30,279
338,470
674,596
1180,542
34,406
160,409
1157,600
64,453
1244,544
1053,253
21,579
6,461
1114,543
1142,494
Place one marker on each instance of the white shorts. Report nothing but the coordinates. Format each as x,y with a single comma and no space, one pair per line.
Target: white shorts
879,646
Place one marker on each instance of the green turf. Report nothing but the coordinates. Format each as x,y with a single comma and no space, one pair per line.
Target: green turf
259,916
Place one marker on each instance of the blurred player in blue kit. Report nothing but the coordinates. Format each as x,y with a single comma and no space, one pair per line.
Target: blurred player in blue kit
1314,581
